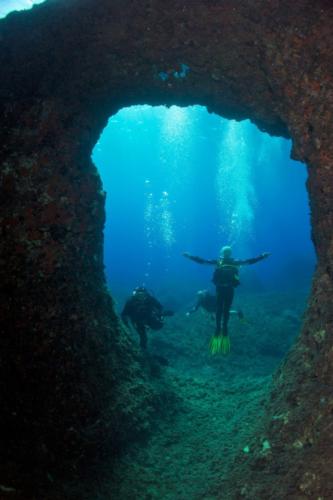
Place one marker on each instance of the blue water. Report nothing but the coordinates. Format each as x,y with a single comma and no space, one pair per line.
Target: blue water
7,6
181,179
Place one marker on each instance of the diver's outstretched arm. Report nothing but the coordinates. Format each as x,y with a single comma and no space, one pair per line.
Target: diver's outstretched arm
200,260
254,260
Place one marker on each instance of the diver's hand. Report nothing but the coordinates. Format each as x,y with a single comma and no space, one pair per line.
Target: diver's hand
265,255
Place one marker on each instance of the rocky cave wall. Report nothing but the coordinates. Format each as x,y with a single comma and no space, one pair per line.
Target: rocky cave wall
70,379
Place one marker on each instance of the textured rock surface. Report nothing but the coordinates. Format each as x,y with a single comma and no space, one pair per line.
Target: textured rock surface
66,66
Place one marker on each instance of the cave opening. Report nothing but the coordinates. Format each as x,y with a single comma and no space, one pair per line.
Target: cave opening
181,179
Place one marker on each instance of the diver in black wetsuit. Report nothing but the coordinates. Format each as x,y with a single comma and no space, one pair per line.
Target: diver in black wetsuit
207,301
225,278
144,311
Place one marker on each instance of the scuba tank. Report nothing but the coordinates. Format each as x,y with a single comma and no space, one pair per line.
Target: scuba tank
226,273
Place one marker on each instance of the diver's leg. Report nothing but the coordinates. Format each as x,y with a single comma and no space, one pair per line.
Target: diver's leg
228,298
141,329
240,314
219,309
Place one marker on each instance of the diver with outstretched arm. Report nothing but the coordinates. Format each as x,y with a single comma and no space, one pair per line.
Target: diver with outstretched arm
225,278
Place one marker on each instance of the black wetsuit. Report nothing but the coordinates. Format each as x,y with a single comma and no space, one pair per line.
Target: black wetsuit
207,301
144,311
225,279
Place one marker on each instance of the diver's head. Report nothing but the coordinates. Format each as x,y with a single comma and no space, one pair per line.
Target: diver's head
225,252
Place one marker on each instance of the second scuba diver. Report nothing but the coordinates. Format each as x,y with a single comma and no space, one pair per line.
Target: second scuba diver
207,301
144,311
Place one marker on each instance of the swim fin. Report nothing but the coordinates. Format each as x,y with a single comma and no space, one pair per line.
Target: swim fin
225,346
215,344
219,344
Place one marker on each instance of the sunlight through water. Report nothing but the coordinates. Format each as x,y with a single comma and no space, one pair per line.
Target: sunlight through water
7,6
182,179
235,193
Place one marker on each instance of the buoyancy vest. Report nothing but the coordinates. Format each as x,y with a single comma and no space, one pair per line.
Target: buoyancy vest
147,310
226,273
141,302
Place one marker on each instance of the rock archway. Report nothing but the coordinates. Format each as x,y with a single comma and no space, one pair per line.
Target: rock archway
70,381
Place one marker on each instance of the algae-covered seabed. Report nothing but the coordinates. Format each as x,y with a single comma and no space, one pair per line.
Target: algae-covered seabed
187,457
217,400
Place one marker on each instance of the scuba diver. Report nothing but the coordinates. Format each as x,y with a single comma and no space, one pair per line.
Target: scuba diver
144,311
225,278
207,301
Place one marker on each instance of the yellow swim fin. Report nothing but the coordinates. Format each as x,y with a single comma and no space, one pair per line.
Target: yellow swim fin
219,344
225,346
